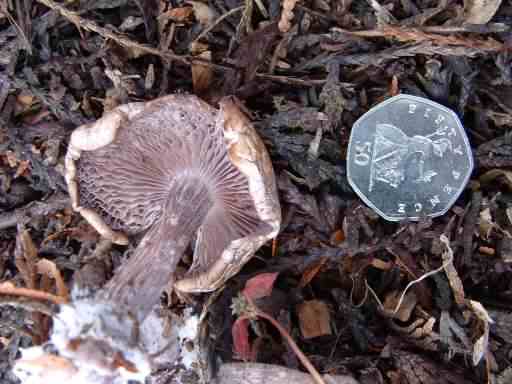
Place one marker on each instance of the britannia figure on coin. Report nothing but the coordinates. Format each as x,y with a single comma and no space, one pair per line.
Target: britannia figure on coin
398,157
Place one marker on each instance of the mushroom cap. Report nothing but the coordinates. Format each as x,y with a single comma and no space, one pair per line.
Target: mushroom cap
186,168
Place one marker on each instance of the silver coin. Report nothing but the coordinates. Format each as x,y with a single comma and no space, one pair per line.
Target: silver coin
409,157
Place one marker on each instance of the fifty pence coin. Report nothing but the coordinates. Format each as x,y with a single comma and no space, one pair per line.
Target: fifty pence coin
408,158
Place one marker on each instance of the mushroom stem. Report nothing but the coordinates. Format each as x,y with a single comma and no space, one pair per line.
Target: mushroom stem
138,283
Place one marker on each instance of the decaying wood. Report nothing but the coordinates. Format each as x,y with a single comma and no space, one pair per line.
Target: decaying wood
242,373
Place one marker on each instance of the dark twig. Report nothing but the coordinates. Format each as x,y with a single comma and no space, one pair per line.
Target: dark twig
418,36
168,55
10,290
91,26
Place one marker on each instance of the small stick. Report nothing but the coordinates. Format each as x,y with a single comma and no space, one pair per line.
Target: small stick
217,22
255,311
9,289
166,55
302,357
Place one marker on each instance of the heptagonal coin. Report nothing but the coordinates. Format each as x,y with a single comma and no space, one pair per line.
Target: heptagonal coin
408,158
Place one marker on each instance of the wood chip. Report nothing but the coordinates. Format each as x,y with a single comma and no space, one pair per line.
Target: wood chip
406,306
314,319
202,75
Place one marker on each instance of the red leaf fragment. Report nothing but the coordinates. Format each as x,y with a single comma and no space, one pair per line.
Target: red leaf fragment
260,286
240,334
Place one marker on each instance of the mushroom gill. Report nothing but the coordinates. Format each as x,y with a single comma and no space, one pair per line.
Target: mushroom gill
169,175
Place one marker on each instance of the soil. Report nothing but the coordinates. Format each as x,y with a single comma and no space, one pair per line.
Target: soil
342,277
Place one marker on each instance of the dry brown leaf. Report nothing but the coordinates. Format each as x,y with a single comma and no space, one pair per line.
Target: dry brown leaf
311,271
314,319
480,11
481,345
381,264
25,100
180,14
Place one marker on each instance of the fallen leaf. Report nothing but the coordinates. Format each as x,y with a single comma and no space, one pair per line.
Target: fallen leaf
481,345
260,285
180,14
311,271
25,100
252,52
240,334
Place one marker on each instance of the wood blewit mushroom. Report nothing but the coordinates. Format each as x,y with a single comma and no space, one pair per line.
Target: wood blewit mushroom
172,170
